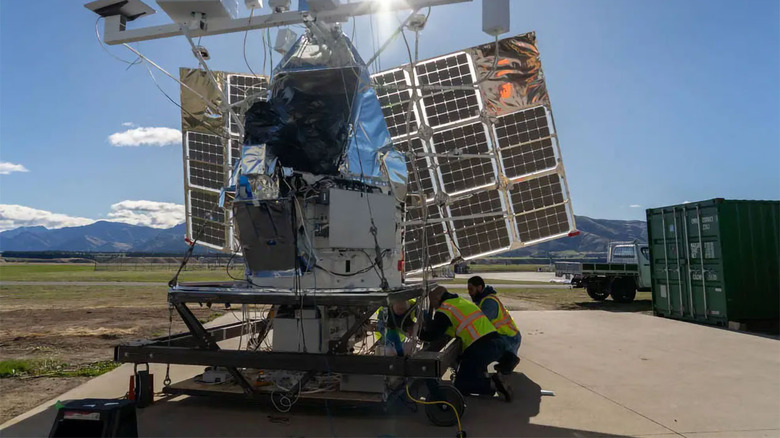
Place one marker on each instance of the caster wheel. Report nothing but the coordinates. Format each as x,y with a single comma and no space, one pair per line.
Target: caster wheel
442,414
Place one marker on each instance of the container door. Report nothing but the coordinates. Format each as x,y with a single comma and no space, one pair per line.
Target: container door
668,283
707,284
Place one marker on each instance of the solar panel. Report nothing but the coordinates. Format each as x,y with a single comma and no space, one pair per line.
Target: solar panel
536,193
205,160
438,245
450,106
239,88
496,159
395,102
424,169
205,214
543,224
459,174
480,235
525,142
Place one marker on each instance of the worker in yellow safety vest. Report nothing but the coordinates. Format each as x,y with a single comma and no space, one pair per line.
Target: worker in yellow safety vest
395,324
485,297
480,343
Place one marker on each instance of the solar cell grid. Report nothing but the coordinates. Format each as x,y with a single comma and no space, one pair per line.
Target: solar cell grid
531,157
539,224
450,106
536,193
205,175
482,236
423,167
235,152
204,147
479,235
213,233
522,127
204,206
450,70
460,174
395,103
438,250
239,88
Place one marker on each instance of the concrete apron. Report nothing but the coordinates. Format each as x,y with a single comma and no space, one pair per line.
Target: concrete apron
618,374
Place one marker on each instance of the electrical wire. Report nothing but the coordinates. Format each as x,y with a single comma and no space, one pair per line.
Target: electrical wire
246,33
441,402
102,44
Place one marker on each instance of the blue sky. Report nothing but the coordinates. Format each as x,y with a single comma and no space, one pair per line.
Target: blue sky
656,102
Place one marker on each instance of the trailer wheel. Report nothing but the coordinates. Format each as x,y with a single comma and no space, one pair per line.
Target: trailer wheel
442,414
623,289
596,290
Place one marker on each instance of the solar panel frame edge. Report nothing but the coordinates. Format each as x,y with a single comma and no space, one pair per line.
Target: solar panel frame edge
505,218
416,116
423,93
190,218
438,165
503,152
229,125
188,168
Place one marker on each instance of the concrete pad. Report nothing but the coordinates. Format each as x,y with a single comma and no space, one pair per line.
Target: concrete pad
613,374
686,377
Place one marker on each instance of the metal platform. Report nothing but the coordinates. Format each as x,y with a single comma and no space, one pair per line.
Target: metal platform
199,345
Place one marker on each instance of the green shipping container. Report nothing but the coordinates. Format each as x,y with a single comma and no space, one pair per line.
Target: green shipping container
716,261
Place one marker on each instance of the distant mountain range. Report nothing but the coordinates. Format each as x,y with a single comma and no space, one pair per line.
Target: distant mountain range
595,235
104,236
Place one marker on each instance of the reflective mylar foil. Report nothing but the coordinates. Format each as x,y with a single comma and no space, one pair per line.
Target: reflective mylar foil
196,114
518,80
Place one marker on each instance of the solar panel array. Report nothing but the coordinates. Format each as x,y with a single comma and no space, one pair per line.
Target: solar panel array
493,180
489,170
209,158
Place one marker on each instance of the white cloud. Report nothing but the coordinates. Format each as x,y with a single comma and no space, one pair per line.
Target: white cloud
6,168
129,124
635,206
15,216
148,213
146,137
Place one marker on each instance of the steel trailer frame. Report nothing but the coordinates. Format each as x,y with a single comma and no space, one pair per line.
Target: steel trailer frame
199,346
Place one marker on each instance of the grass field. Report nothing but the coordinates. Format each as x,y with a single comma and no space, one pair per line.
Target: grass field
78,272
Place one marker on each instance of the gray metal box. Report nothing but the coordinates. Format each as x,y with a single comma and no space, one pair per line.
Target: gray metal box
363,383
298,336
350,219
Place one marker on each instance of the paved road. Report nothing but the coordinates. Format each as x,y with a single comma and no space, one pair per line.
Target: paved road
498,286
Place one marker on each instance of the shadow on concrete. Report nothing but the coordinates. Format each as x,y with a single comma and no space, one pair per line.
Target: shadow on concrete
637,306
202,416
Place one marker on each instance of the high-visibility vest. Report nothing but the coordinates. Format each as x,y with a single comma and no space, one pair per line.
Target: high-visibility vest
412,315
503,323
468,322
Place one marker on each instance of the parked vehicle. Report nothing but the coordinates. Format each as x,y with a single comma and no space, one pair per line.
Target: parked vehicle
626,271
571,271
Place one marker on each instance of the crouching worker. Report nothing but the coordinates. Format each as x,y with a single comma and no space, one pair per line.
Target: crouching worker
485,297
480,343
394,325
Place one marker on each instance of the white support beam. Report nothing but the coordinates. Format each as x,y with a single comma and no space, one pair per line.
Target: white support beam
114,34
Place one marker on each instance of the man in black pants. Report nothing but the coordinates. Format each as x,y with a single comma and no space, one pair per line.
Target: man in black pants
481,344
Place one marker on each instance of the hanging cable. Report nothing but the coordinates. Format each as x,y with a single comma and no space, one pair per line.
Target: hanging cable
246,33
102,44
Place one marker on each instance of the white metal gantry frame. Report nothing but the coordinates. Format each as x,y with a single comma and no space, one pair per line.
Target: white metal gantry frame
115,32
